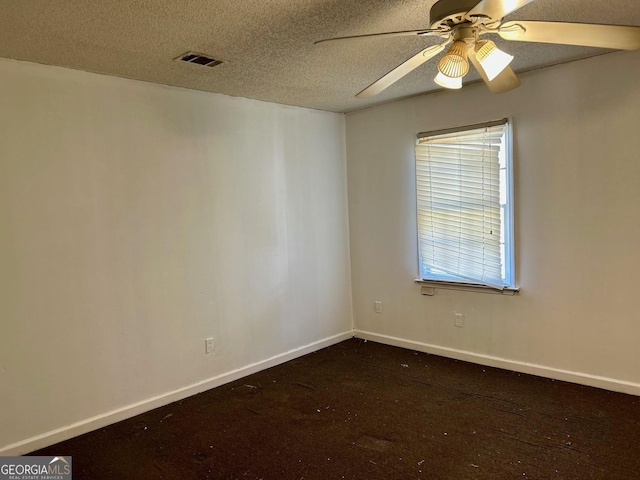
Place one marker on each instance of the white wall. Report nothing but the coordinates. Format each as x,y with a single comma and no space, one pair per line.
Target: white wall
577,198
138,219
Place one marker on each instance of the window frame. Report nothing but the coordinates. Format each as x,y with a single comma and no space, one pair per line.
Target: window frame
454,282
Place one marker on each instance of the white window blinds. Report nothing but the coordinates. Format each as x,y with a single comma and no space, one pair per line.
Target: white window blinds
461,180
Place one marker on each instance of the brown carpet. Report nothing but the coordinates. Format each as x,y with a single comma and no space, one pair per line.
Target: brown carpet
361,410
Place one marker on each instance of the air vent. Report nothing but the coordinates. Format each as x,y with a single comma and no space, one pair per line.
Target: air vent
199,59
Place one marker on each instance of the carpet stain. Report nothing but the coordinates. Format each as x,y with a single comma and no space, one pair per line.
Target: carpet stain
373,443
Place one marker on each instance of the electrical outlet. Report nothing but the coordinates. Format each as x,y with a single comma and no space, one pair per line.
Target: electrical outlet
459,321
378,307
209,345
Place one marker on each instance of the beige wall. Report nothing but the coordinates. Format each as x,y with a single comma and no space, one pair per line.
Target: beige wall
577,204
137,220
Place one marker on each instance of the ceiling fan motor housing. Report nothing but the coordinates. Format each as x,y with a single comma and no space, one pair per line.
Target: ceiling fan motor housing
447,13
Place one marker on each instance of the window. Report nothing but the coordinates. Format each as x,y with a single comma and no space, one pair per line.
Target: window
464,196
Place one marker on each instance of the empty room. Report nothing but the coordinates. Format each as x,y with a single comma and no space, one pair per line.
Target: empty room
319,239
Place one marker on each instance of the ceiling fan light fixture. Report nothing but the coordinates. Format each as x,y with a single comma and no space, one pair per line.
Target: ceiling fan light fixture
448,82
454,63
492,59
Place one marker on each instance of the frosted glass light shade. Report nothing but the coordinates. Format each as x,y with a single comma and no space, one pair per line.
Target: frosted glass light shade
454,63
492,59
448,82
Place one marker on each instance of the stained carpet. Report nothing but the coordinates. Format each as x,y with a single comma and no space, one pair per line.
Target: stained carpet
362,410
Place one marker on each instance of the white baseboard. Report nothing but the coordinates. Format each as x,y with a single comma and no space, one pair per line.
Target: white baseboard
102,420
514,365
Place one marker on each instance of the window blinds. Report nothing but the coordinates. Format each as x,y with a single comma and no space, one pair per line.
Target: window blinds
459,211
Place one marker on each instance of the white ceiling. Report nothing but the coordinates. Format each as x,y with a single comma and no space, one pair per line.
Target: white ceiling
267,45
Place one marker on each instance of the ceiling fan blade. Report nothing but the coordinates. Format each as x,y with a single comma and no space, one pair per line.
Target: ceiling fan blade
505,81
582,34
496,9
405,33
401,70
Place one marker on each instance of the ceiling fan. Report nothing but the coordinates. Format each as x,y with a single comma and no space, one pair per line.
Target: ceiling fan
461,23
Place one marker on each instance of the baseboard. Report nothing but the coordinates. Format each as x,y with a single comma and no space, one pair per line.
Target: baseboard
102,420
514,365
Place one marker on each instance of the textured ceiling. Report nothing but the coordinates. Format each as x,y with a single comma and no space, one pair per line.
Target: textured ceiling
267,45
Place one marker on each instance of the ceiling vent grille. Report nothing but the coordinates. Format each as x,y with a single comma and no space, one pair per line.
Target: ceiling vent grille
199,59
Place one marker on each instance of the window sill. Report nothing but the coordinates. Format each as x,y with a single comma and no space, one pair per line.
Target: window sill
429,286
